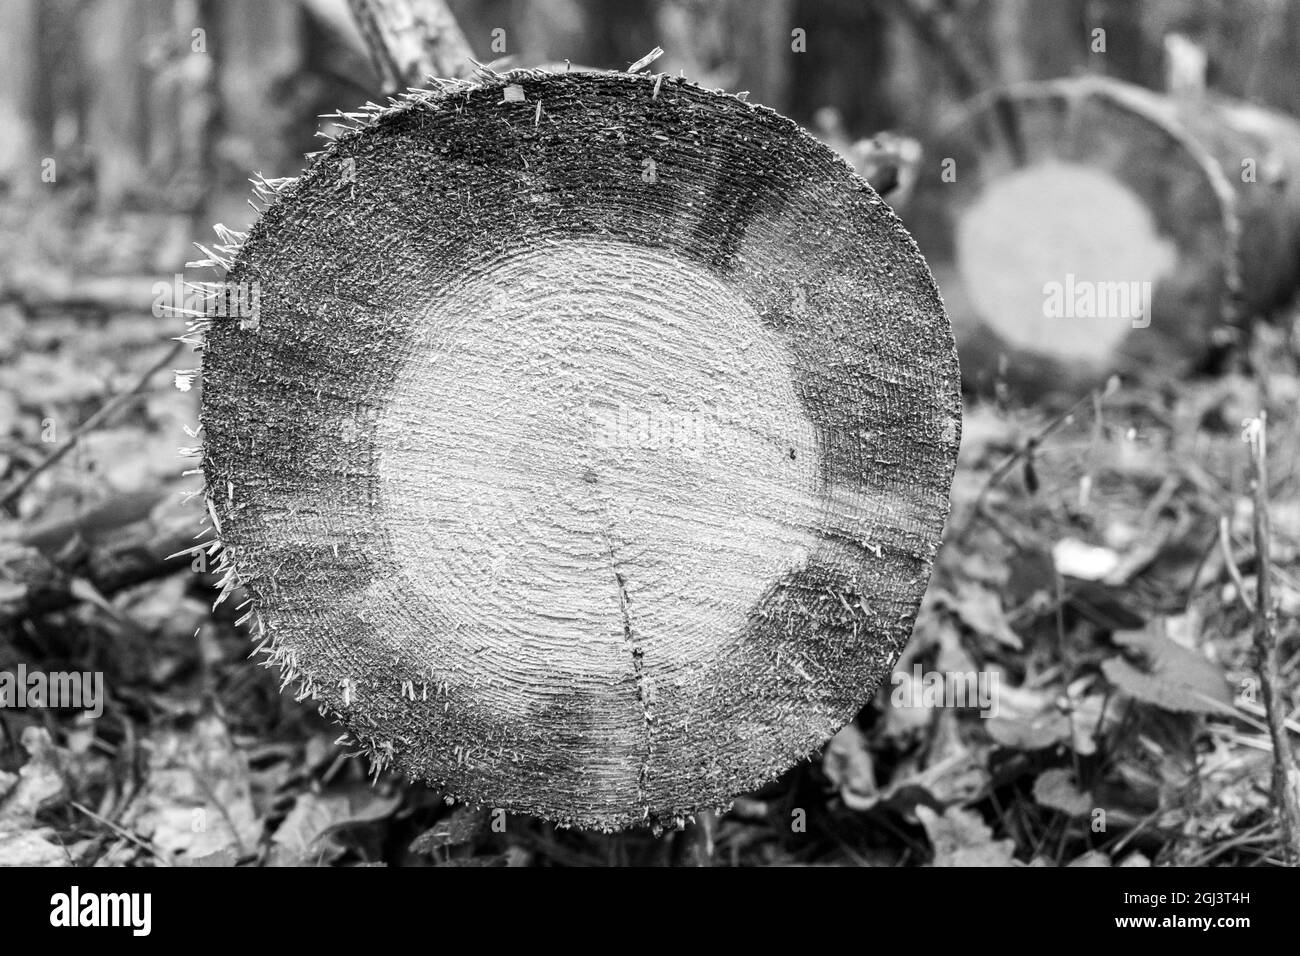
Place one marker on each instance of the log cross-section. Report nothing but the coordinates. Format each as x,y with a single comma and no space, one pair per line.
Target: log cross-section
1085,226
592,448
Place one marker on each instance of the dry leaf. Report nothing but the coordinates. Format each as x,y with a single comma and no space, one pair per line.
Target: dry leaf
1091,858
303,837
962,838
460,827
39,782
980,609
1056,790
1028,719
37,785
32,848
196,799
848,765
1167,674
1077,559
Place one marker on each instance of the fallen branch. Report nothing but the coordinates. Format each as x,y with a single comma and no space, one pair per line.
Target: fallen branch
102,573
98,552
93,524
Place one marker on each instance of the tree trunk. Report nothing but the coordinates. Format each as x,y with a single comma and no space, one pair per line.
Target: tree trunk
412,40
593,447
20,169
1085,226
116,101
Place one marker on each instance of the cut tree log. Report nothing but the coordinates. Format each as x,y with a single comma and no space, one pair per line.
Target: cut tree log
1046,207
591,449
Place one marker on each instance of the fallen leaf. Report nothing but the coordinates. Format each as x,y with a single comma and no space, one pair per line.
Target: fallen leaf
196,799
37,785
847,762
905,719
1086,562
952,657
303,837
32,848
1028,719
980,609
1033,732
1055,789
1167,674
962,838
39,782
1091,858
454,830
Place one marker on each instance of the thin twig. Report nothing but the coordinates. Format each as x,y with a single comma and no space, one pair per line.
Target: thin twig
1225,546
124,834
1196,572
90,424
1028,448
1254,834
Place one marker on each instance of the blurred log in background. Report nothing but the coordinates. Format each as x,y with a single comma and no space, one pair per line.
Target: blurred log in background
166,105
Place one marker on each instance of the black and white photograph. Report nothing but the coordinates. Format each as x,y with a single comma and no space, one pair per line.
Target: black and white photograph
650,433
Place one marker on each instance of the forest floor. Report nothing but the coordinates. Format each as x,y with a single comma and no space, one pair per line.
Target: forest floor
1098,574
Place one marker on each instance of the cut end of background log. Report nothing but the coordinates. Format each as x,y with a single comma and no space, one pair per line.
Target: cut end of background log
591,450
1085,226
